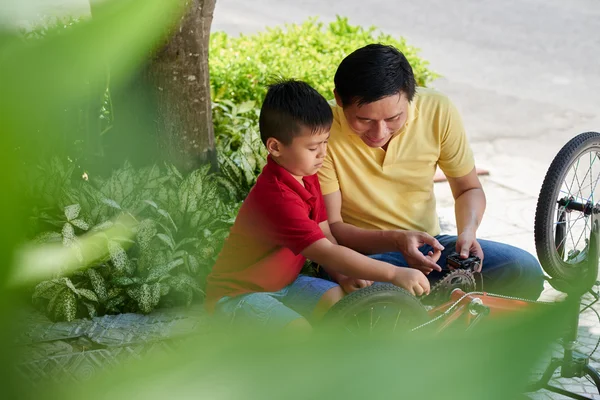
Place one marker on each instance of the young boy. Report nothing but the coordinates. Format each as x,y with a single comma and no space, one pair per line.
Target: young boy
283,221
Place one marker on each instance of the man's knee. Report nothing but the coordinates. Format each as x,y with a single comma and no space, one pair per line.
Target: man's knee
529,276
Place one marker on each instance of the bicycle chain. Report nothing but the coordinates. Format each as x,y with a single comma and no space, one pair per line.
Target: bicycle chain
453,306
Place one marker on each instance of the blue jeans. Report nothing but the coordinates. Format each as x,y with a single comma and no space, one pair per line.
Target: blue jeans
507,270
275,309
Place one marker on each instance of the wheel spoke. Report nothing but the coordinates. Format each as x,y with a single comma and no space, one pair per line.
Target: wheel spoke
397,319
587,178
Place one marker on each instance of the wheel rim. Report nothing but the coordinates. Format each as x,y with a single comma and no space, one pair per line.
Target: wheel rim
575,201
382,318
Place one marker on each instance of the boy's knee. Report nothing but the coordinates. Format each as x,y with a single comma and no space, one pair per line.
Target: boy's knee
332,296
298,326
327,301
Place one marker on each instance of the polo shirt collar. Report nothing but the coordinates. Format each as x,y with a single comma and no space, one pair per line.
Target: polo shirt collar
288,180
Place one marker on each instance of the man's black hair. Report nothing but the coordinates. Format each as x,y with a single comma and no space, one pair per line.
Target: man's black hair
290,105
372,73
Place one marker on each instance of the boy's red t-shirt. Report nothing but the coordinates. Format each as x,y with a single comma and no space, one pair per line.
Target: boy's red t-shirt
278,220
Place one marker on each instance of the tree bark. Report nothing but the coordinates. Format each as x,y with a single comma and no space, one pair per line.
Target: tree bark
180,80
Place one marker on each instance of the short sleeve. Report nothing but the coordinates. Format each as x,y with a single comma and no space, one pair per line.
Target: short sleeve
289,225
456,158
321,210
327,174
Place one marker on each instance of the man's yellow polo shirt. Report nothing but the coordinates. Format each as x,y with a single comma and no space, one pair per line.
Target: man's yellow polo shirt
393,189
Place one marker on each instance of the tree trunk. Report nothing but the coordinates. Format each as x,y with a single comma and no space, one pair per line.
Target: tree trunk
164,111
180,80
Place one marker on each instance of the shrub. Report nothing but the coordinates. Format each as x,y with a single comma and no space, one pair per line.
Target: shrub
241,66
165,259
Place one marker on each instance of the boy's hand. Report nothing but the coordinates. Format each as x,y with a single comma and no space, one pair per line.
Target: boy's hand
351,284
412,280
408,243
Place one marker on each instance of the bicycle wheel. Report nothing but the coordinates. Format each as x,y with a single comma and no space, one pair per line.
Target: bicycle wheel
377,309
568,199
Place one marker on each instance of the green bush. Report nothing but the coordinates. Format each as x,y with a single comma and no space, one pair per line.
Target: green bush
163,261
240,67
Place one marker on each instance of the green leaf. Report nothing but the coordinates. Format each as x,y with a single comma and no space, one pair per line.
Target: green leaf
54,300
72,211
153,204
160,271
166,239
174,171
113,303
66,307
133,292
68,234
118,256
183,282
145,233
155,294
88,294
193,264
102,226
48,237
145,299
111,203
123,281
81,224
164,288
98,284
246,106
114,292
91,308
69,284
168,217
47,289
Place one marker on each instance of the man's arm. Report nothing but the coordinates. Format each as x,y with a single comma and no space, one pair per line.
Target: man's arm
350,263
368,241
469,206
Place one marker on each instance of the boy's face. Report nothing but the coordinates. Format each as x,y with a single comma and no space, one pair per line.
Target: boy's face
304,156
375,123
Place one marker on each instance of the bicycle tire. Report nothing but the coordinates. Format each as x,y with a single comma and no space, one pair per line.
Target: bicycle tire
413,312
546,208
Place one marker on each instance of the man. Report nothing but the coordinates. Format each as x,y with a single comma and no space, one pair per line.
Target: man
386,141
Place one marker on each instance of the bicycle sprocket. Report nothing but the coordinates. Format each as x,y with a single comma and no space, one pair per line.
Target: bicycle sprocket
441,290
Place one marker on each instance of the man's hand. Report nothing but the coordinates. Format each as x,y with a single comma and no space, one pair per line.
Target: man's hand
408,243
466,244
351,284
412,280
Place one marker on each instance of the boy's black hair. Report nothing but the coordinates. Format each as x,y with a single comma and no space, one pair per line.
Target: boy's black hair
290,105
372,73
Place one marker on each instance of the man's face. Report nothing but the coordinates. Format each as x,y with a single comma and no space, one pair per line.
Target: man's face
375,123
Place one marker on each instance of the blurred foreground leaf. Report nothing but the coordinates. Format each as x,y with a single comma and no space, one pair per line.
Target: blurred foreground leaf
492,362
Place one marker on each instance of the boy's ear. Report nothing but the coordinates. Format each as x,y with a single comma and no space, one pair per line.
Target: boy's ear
338,100
274,147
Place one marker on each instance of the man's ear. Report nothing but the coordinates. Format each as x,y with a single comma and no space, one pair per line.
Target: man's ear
274,147
338,100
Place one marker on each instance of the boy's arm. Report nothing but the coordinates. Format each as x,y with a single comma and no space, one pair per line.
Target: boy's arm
368,241
350,263
348,284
